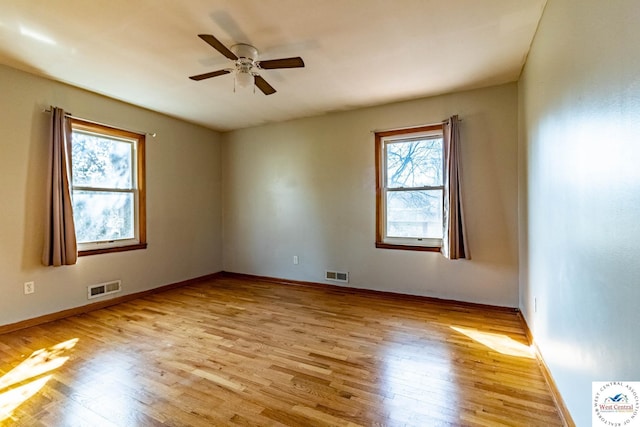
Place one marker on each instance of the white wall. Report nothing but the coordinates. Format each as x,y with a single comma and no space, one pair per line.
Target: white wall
580,186
183,200
307,188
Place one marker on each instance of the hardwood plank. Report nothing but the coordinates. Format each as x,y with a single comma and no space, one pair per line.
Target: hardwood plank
244,351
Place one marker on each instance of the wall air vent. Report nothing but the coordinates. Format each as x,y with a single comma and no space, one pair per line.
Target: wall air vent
337,276
101,289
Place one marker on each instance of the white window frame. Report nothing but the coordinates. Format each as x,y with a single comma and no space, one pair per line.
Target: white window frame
394,137
137,152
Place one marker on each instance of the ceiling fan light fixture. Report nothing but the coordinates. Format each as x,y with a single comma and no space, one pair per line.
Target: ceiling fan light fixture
244,78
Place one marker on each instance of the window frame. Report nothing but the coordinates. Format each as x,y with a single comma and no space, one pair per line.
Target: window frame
381,139
139,188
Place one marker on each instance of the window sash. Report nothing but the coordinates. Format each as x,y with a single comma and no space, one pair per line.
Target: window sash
408,240
133,144
407,140
113,242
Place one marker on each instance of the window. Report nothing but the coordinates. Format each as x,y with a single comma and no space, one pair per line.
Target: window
107,188
410,188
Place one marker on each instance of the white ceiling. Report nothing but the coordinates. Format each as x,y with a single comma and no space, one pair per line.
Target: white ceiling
357,52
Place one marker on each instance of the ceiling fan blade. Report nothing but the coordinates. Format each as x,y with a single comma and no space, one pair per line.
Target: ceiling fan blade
265,87
217,45
209,75
272,64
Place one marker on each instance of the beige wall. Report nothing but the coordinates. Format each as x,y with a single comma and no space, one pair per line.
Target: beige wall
580,195
307,188
183,200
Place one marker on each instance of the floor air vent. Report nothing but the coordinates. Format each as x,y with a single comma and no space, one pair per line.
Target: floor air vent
337,276
95,291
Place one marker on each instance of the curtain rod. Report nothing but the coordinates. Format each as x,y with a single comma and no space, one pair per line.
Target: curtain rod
412,126
71,116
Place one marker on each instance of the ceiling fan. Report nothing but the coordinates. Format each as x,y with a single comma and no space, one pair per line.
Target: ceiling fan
246,64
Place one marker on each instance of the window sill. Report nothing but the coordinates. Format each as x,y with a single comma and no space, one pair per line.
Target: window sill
381,245
114,249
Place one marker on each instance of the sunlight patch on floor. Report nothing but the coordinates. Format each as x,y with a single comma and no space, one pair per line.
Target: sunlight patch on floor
497,342
38,363
10,400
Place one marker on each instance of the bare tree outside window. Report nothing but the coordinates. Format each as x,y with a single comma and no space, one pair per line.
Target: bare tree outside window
414,167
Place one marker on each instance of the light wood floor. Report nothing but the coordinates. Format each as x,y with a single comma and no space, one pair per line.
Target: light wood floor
238,352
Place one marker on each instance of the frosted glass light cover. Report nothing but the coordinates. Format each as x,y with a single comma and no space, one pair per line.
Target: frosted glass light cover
244,79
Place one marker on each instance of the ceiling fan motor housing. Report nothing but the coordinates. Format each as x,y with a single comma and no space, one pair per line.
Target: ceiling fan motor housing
247,55
245,51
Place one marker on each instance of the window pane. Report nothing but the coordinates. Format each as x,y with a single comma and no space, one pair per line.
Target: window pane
103,216
414,163
101,162
415,214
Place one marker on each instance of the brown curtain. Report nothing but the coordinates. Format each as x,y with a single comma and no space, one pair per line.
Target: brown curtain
60,246
454,241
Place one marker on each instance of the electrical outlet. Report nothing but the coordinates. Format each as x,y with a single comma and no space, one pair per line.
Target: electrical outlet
29,287
535,304
295,259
